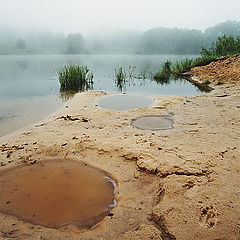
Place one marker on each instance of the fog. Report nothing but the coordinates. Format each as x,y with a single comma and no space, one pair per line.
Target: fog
114,26
90,15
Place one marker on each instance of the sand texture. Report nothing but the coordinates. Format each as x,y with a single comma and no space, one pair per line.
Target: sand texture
181,183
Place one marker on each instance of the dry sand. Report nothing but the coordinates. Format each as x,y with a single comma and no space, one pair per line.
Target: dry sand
181,183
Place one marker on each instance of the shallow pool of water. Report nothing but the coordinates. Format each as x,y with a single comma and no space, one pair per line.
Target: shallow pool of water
57,193
153,122
124,102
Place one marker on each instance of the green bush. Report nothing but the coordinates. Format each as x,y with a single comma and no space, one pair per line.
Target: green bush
224,46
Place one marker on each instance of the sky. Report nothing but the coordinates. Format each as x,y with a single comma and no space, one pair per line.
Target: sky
87,16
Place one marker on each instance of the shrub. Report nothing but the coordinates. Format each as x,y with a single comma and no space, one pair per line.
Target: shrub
224,46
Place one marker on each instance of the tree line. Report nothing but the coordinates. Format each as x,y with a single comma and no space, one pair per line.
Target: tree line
154,41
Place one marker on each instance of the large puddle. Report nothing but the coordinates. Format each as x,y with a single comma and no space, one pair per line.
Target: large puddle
124,102
57,193
153,122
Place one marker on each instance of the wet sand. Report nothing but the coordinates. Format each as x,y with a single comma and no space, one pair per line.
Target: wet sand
181,183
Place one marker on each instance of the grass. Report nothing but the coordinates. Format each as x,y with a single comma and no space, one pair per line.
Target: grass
75,77
120,78
127,75
163,75
224,46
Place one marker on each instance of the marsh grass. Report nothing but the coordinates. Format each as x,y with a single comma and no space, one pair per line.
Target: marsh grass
163,75
120,78
75,77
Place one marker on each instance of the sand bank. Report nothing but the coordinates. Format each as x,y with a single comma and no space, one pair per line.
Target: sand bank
181,183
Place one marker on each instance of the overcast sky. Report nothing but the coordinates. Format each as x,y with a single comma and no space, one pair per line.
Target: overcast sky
90,15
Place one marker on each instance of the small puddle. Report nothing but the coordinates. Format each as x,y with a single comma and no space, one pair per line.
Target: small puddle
124,102
153,122
57,193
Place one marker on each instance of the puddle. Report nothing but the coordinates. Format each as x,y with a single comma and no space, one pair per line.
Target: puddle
153,122
57,193
124,102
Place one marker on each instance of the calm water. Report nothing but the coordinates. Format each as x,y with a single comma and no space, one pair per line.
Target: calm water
29,88
57,193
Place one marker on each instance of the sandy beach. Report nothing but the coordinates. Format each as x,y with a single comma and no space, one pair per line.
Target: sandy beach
181,183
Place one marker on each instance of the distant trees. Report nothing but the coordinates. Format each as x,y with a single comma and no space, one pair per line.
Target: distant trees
184,41
20,44
74,43
171,41
154,41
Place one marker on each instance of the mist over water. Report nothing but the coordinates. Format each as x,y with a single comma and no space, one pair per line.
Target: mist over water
30,88
104,36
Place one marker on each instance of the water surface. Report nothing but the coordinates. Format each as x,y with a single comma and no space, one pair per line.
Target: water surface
29,88
153,122
57,193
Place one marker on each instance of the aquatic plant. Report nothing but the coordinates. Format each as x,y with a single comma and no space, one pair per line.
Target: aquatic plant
163,75
120,78
143,74
131,72
75,77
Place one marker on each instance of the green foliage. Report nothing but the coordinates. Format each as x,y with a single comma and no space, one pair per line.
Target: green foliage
207,81
75,77
181,66
224,46
163,75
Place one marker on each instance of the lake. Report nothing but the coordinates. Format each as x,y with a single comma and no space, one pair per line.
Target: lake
29,87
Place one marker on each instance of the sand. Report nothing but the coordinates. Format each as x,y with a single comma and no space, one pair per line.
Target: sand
181,183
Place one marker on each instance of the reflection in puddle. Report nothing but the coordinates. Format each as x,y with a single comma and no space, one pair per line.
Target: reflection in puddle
57,193
153,122
124,102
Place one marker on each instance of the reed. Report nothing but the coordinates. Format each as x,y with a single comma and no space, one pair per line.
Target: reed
75,77
120,78
163,75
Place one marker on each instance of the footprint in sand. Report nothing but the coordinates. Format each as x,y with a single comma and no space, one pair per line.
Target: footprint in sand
208,217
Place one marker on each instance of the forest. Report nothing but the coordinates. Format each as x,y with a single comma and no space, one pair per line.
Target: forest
160,40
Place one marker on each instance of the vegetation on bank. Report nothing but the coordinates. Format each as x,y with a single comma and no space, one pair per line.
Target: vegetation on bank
225,45
75,77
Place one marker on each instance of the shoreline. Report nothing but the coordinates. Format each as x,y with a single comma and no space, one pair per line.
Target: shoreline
170,182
